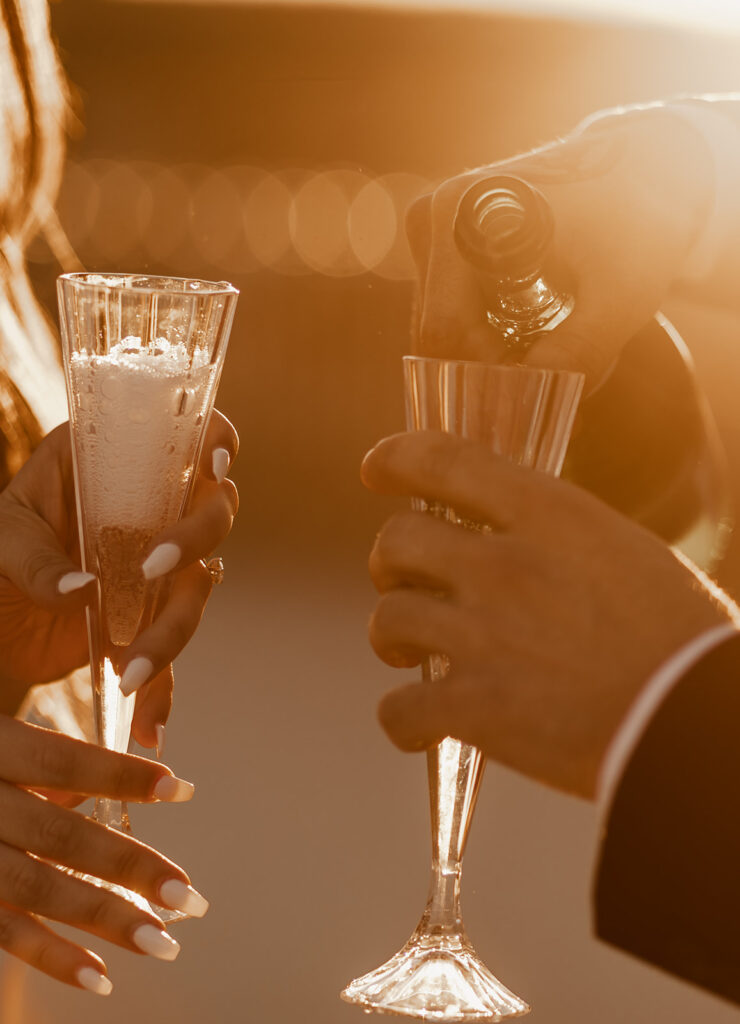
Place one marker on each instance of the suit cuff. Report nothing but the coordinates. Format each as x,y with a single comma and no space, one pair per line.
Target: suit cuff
647,703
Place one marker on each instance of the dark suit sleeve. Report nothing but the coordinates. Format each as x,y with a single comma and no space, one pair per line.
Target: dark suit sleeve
667,886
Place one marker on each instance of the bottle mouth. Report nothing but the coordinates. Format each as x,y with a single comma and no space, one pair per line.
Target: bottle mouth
503,226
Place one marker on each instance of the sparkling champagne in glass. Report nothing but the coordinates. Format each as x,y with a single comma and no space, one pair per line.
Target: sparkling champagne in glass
525,415
142,360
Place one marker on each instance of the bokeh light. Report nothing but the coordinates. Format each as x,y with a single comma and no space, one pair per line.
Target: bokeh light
336,221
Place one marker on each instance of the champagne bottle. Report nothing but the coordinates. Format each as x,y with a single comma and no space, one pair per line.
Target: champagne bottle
645,441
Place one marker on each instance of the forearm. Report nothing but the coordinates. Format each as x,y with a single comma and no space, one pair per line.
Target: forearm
700,136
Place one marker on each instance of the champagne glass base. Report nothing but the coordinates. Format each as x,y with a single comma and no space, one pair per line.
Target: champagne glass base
114,814
435,978
165,914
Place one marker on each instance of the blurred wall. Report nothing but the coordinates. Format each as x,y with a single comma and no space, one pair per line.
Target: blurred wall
277,147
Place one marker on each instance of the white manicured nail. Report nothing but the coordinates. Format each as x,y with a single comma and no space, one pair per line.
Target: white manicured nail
162,559
74,581
159,730
94,981
220,461
173,790
156,943
178,896
135,675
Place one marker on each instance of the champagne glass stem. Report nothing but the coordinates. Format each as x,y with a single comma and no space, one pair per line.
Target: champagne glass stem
455,771
113,714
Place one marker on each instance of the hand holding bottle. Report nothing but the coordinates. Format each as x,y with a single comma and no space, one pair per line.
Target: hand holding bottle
629,195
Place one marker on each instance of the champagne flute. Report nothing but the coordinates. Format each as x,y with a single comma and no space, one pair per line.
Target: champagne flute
526,415
142,361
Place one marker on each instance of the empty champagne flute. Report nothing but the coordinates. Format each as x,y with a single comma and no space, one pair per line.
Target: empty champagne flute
142,361
526,415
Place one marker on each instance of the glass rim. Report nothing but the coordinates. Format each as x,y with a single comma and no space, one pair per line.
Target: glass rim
162,284
508,367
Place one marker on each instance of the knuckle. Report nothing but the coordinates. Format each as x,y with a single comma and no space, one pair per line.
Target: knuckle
390,620
45,956
440,334
56,760
99,911
439,456
379,627
26,884
35,571
114,775
394,536
181,629
127,865
8,930
58,834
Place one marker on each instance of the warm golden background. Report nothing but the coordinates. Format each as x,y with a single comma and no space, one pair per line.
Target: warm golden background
276,146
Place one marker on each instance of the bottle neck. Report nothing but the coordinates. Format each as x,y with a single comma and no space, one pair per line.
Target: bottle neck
519,309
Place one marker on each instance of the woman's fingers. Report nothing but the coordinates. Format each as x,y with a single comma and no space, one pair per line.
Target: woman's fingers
42,759
31,885
206,524
219,448
153,706
176,622
30,823
30,940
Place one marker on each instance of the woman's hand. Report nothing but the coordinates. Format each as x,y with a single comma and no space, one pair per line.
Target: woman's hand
628,195
553,619
37,836
43,593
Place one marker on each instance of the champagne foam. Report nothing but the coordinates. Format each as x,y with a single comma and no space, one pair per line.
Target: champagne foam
137,415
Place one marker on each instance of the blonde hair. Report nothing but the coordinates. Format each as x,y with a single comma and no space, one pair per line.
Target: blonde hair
33,112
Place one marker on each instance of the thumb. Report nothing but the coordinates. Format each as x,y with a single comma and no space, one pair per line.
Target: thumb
34,561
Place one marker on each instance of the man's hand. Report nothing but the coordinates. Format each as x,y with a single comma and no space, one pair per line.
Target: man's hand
628,196
553,619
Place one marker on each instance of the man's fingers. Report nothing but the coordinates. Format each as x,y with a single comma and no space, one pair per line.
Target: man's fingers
42,759
454,471
409,624
30,940
418,715
420,550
